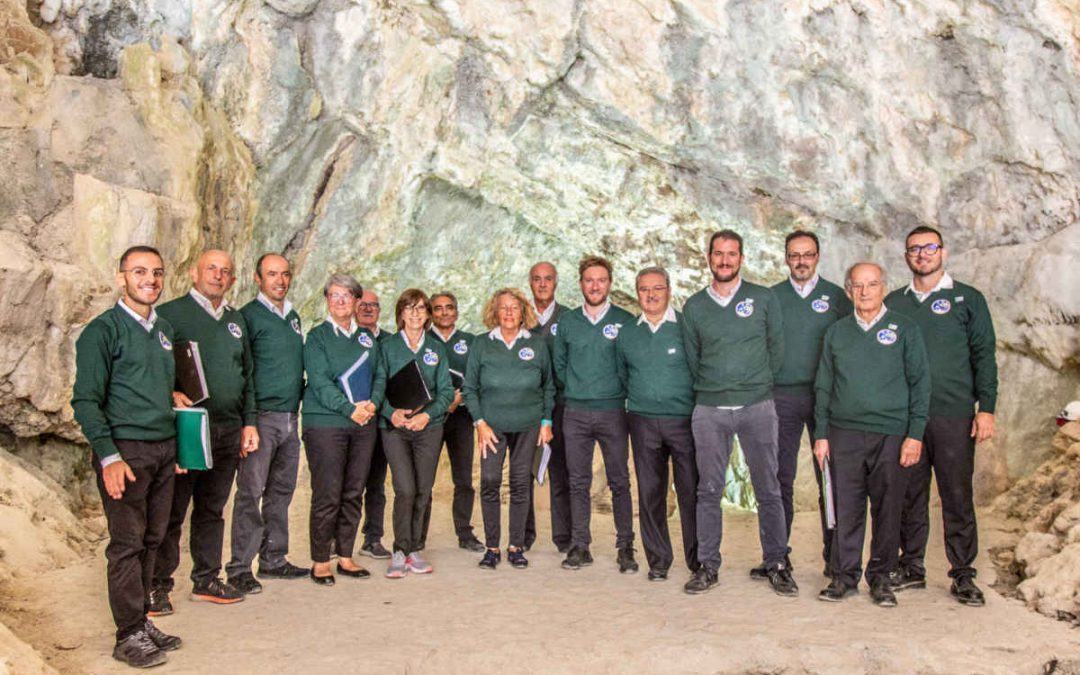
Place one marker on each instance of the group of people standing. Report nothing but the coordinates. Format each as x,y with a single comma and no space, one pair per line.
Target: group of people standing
890,390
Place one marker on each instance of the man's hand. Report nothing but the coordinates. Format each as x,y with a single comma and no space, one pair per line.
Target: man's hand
114,476
456,402
180,400
910,451
546,434
485,438
179,470
418,422
821,452
982,427
249,441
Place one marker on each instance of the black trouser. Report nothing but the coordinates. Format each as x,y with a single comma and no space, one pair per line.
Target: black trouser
558,481
413,458
375,494
521,446
654,441
207,492
458,437
866,465
583,429
338,458
794,412
949,450
137,523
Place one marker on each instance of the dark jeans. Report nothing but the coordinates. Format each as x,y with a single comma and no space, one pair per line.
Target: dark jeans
137,523
265,482
949,451
338,458
207,492
521,446
794,412
714,431
582,430
458,437
865,466
413,458
654,441
375,494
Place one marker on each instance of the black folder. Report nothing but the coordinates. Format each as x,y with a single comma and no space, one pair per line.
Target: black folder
457,379
406,389
190,376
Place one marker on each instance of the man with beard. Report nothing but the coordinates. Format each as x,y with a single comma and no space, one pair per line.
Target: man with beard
733,332
204,317
595,412
810,304
124,372
266,478
543,280
367,317
960,341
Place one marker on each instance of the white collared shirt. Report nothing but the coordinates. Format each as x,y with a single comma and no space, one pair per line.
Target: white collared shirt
419,345
945,282
600,316
147,323
280,313
438,333
669,315
496,334
205,303
545,316
723,300
338,330
806,289
867,325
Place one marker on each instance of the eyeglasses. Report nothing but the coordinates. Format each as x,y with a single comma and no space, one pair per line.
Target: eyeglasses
795,257
414,309
873,285
340,297
157,272
928,249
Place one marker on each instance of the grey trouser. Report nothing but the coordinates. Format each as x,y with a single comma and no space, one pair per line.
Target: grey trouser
582,430
714,431
265,482
794,412
414,458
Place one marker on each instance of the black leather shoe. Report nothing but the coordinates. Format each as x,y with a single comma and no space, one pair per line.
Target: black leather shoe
882,595
490,560
781,582
355,574
159,604
657,575
322,581
246,584
577,558
139,651
759,573
907,579
837,591
627,564
966,592
703,581
286,570
473,544
162,641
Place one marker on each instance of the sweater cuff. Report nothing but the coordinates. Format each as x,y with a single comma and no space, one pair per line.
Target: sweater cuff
915,430
251,419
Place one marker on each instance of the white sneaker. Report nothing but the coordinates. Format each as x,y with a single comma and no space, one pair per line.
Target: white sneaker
398,567
416,564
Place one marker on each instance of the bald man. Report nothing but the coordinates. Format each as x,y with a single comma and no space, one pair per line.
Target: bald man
204,317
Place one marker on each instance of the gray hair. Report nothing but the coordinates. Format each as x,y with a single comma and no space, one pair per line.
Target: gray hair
655,269
346,281
850,270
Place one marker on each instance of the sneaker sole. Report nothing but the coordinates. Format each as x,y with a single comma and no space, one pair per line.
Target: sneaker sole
702,591
909,586
396,575
843,597
886,604
629,570
572,568
165,612
413,570
149,664
215,599
969,602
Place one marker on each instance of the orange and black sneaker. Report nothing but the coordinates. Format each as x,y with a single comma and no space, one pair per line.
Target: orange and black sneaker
159,604
217,591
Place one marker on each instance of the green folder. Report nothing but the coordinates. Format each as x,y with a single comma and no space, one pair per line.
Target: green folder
193,439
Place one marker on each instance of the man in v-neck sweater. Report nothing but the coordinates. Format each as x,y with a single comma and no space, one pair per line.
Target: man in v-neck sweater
204,317
810,304
595,412
961,345
734,339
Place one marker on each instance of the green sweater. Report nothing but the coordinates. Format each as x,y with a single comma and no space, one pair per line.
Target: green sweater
805,322
549,330
431,357
652,367
960,342
124,381
225,358
876,380
277,356
735,351
457,348
585,359
327,355
510,389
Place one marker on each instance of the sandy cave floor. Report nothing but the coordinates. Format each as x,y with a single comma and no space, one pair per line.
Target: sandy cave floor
545,619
